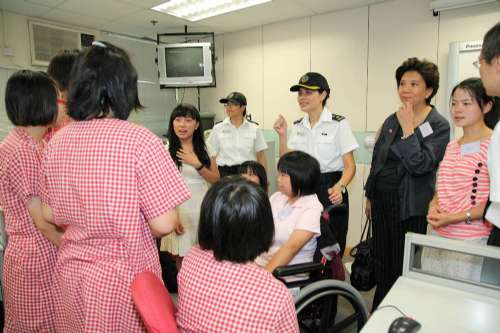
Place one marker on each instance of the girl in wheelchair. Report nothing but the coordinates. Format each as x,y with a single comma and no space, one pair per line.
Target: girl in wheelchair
296,212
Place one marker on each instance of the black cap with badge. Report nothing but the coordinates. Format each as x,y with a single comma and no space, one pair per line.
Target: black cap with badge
312,81
234,97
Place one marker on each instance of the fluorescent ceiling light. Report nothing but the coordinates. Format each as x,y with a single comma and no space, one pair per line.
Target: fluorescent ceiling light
195,10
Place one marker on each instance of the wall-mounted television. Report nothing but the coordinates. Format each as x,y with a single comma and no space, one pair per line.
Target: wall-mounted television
185,65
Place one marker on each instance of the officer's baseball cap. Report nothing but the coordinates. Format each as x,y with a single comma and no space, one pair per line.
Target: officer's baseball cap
234,97
311,81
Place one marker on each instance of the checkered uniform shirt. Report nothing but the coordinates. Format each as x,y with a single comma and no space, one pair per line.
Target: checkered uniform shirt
222,296
29,258
104,180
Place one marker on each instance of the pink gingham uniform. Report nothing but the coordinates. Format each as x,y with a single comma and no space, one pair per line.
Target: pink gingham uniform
221,296
29,258
104,180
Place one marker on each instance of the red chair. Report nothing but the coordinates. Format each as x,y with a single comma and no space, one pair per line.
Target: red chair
154,304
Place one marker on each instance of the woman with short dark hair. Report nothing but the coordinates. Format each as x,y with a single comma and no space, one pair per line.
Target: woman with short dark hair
296,212
30,101
255,172
221,289
113,187
409,147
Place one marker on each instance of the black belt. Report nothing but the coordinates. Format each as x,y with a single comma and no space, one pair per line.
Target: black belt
229,170
327,177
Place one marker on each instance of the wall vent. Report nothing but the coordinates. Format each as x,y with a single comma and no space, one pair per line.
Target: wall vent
47,40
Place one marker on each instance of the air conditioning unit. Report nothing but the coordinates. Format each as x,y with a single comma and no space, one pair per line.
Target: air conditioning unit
440,5
46,40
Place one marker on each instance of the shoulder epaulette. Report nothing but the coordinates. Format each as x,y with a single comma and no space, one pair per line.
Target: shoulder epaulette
253,122
218,122
297,121
337,117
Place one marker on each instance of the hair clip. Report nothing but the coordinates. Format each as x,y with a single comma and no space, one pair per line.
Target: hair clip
99,44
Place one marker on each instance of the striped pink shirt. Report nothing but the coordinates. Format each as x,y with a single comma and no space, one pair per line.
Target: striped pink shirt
463,183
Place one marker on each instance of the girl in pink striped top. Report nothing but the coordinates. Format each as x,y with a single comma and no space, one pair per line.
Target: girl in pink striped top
463,183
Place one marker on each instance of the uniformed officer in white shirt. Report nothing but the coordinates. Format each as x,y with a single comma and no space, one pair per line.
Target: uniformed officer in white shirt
237,139
327,137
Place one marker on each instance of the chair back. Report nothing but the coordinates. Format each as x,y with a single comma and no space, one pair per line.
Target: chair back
154,304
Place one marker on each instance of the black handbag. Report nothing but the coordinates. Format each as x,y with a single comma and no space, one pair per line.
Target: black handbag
363,267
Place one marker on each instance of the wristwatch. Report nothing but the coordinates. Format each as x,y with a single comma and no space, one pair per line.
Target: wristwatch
342,188
467,217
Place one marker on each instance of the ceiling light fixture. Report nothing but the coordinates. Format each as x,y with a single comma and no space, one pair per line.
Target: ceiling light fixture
195,10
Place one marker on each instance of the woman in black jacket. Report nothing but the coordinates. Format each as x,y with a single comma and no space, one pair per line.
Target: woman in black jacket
410,145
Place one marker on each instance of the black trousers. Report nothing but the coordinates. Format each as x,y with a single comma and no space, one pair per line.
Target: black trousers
338,221
388,240
229,170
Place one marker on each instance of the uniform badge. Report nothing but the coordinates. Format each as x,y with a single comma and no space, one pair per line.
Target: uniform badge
304,78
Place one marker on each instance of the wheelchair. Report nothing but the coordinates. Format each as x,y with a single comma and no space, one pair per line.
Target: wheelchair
316,302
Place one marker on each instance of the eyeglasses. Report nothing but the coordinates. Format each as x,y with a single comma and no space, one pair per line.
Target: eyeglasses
306,92
230,105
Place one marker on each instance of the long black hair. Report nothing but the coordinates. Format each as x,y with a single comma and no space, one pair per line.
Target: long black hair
174,144
474,86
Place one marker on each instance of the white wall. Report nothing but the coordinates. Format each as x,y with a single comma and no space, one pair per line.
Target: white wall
358,51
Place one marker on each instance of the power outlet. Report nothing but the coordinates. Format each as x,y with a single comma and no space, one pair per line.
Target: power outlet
8,52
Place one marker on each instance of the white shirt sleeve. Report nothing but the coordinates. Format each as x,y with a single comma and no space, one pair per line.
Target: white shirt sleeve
213,143
260,142
210,151
347,142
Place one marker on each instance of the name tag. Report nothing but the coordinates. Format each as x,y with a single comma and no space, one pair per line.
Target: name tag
426,129
470,148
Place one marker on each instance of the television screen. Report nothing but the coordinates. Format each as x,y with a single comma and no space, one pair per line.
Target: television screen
185,65
184,61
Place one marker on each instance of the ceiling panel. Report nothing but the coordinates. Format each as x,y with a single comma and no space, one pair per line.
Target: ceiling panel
48,3
23,7
144,17
70,18
107,9
144,3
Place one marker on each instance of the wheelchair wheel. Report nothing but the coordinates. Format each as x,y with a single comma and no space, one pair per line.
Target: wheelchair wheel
315,307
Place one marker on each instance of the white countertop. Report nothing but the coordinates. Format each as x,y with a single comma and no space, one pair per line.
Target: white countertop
437,309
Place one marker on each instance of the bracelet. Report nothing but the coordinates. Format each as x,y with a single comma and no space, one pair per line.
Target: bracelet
200,167
468,217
